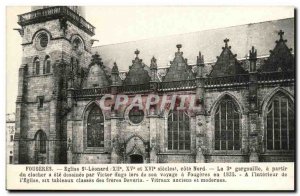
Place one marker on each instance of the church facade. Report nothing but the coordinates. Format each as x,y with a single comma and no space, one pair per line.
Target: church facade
245,107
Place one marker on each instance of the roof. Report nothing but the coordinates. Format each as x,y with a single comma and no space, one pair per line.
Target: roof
210,42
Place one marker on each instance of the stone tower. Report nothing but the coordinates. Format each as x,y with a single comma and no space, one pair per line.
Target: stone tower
56,45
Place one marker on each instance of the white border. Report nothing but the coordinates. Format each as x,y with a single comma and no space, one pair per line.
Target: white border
5,3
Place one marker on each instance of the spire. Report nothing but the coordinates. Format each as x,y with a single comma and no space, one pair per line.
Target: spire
200,65
153,69
200,59
115,69
115,77
253,54
153,64
252,59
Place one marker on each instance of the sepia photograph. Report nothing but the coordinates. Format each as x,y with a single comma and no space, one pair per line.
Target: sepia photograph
91,87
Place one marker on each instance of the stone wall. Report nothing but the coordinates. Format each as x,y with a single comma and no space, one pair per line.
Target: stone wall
30,118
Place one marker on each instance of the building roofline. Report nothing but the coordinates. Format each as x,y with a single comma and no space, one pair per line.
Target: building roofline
138,40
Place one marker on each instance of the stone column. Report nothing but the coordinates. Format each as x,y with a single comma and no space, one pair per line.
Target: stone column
70,122
69,152
253,110
200,113
115,138
20,145
52,130
153,117
153,139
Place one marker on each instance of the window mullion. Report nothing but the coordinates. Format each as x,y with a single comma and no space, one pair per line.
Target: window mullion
172,131
287,125
178,130
280,139
226,128
233,142
220,128
273,129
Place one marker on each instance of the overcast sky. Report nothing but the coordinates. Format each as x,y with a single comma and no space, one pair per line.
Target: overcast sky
123,24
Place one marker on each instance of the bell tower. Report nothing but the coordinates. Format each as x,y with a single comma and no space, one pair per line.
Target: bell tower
55,40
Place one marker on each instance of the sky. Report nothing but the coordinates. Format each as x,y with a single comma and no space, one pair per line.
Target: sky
123,24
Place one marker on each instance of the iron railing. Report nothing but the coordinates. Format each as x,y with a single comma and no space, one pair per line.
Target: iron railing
215,82
235,80
87,92
177,85
139,88
271,77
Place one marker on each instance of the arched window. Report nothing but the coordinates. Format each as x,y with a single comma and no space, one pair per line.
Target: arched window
47,65
40,142
227,125
179,135
280,125
77,44
41,40
36,65
95,128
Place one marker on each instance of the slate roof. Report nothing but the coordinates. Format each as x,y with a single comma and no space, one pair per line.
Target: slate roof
261,35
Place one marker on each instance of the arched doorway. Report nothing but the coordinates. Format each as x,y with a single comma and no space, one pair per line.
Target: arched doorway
135,149
40,142
136,158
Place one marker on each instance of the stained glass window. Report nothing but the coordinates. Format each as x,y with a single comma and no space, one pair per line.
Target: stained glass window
95,128
280,125
179,135
136,115
43,38
227,125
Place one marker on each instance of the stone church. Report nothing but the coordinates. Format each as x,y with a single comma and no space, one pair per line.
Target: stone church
245,95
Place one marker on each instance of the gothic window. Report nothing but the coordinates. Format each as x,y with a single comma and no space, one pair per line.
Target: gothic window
227,125
77,44
95,128
136,115
40,142
280,125
47,65
179,135
36,64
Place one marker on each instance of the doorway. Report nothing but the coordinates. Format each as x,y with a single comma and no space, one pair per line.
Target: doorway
136,158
